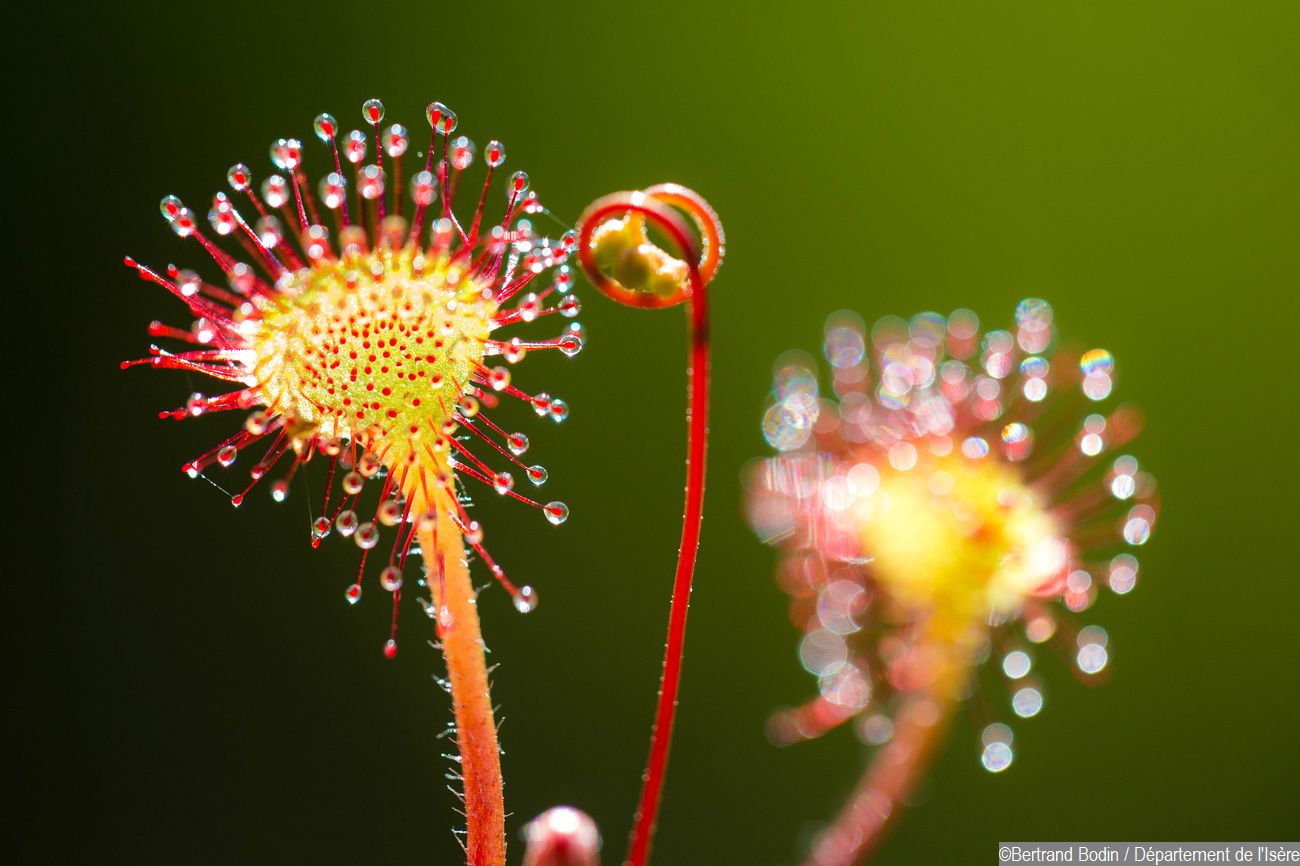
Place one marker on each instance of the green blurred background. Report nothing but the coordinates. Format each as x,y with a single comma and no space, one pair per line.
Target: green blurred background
189,685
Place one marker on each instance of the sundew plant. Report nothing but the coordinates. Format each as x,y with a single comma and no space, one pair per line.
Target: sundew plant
365,321
953,499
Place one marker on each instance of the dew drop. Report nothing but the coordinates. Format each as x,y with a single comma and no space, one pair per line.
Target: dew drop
286,153
390,512
275,190
367,535
346,522
326,127
226,456
474,532
280,490
571,344
441,118
170,207
1027,702
556,512
353,593
517,443
353,482
354,149
526,599
371,182
320,527
372,111
1016,664
390,648
396,140
537,474
423,189
559,410
239,177
391,578
503,483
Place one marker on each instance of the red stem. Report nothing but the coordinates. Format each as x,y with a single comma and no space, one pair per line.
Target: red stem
697,422
651,204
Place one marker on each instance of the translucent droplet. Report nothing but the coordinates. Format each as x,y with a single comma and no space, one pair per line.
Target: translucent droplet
441,118
974,448
226,456
1016,664
1027,702
495,154
518,183
1096,361
390,512
1137,524
462,153
286,153
997,755
367,535
786,426
474,532
396,140
326,127
525,599
320,527
170,207
239,177
570,344
822,652
333,190
1092,658
1034,318
537,475
183,222
354,148
390,648
517,443
275,190
353,482
845,342
503,483
423,189
391,578
1122,574
280,490
559,410
371,182
556,512
372,111
353,593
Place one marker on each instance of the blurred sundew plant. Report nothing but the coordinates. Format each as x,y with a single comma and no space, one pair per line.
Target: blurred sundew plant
359,320
955,499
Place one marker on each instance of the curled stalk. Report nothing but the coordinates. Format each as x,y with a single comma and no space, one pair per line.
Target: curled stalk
621,262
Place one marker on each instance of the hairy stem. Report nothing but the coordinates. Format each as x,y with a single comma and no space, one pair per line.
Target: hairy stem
463,650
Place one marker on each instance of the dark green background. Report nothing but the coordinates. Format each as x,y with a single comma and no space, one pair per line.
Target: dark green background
189,685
